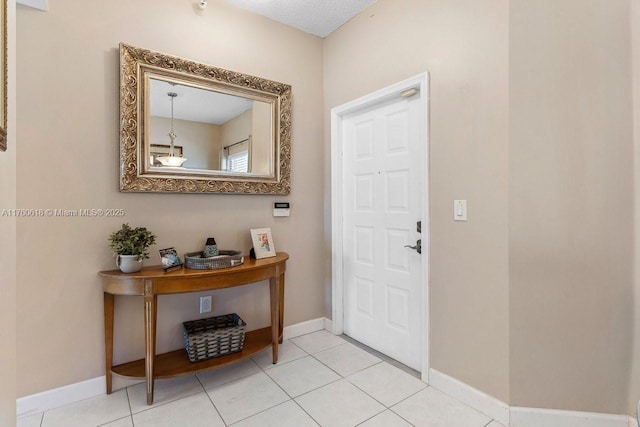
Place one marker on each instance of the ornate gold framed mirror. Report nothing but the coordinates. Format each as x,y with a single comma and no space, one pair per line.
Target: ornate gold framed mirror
188,127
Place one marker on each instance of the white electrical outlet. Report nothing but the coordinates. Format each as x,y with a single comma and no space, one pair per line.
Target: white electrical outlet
205,304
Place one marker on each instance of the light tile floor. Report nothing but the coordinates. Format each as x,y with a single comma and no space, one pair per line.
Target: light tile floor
320,380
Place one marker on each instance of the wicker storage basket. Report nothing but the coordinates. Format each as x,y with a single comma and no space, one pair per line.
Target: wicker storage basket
226,259
214,336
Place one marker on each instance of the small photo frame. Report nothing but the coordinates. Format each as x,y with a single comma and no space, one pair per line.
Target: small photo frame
263,243
169,258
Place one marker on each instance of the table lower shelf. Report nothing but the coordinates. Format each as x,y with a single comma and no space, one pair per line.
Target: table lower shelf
176,363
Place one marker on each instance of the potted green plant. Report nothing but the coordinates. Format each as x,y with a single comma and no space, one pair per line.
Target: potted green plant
130,247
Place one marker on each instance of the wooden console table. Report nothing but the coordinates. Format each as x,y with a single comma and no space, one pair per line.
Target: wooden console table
152,281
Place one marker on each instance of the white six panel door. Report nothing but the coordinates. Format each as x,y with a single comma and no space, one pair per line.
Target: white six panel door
382,204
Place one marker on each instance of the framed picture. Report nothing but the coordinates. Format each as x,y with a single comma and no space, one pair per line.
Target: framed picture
262,243
169,258
158,150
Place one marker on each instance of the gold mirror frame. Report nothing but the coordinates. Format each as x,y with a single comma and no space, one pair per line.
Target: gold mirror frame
3,77
135,64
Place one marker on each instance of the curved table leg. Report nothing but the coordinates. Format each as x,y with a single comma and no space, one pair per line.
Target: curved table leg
150,317
280,281
108,338
275,316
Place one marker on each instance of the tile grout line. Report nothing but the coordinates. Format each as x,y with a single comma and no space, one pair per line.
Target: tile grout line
353,373
215,408
264,371
373,416
386,407
382,356
305,411
151,407
126,390
272,366
293,399
269,367
271,407
330,347
405,369
411,395
239,379
227,382
338,373
313,357
381,360
315,389
326,366
401,417
341,377
117,419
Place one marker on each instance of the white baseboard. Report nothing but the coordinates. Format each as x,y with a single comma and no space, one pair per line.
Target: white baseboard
71,393
482,402
303,328
60,396
522,417
328,325
536,417
477,399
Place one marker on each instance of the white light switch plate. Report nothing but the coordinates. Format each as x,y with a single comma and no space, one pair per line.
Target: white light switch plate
460,210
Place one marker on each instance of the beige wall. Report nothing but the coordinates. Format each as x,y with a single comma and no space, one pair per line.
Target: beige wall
200,141
634,386
261,147
464,46
68,124
8,243
533,300
541,314
571,204
235,130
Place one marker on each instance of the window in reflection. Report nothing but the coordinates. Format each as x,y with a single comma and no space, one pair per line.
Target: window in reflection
235,157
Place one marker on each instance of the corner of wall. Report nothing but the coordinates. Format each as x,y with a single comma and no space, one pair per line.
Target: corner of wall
8,240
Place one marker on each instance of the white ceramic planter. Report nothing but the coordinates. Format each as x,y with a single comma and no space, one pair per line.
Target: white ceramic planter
128,263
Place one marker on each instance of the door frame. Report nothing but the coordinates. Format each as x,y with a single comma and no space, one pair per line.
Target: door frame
420,82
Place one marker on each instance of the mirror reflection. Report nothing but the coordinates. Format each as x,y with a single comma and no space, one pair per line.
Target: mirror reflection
197,129
189,127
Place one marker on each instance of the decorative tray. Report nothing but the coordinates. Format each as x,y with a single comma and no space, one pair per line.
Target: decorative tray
226,259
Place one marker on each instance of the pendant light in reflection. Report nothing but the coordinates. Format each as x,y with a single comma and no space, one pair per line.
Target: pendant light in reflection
172,160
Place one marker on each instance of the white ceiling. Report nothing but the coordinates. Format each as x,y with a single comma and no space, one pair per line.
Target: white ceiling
317,17
36,4
194,104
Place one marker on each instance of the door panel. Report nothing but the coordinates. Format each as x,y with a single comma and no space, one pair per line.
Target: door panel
382,203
